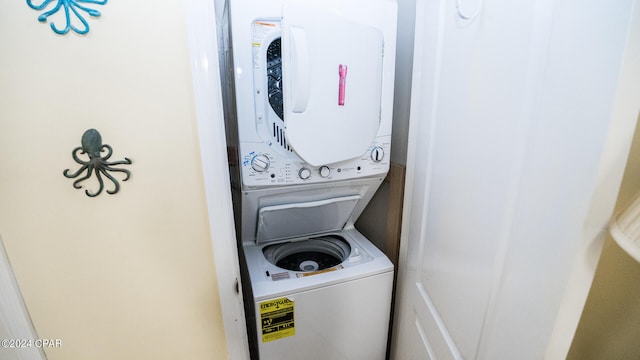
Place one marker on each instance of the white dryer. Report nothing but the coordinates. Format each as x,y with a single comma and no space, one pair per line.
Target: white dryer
314,94
313,89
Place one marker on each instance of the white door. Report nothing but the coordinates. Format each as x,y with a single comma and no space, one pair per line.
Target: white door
517,145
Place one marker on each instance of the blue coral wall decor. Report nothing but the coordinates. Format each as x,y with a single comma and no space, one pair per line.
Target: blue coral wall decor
94,162
74,12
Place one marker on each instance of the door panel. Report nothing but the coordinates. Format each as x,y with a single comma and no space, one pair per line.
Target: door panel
432,329
507,168
420,348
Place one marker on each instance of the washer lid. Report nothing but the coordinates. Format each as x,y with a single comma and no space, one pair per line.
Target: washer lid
304,219
332,72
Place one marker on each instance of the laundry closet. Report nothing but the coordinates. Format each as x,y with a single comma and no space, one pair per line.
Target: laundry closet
313,108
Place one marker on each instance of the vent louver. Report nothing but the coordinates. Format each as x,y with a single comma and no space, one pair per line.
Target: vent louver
279,136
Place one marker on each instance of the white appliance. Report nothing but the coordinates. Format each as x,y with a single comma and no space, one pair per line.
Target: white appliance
337,289
314,89
315,288
314,94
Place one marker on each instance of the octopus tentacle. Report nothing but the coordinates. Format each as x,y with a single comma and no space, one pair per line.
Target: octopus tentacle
97,172
99,2
75,174
44,16
55,29
38,7
115,182
74,153
110,151
91,12
126,161
127,172
73,6
75,183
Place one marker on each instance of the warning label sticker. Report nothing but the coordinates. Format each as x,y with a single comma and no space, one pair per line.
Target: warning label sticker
277,319
261,30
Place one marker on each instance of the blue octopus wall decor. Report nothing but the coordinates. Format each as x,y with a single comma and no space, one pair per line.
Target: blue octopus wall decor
70,7
92,146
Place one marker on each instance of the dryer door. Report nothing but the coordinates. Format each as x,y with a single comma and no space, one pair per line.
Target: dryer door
332,70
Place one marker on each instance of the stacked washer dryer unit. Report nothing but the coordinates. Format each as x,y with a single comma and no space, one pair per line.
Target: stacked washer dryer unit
314,95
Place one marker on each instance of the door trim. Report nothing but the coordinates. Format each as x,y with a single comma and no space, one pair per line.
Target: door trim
202,39
14,317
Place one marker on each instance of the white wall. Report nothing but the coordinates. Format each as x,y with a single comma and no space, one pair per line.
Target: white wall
124,276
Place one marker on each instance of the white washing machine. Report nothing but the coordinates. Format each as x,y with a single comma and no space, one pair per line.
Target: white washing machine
314,94
325,294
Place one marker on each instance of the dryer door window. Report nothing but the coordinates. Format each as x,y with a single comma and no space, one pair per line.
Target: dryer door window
332,69
274,77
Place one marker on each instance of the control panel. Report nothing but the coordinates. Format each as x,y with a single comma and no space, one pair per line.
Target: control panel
262,166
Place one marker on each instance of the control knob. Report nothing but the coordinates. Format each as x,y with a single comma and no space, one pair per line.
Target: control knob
304,173
377,154
260,163
325,171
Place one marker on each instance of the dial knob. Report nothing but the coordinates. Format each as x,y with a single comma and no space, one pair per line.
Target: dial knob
325,171
304,173
260,163
377,154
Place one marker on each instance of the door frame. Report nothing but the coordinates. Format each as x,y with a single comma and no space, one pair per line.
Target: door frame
203,52
14,317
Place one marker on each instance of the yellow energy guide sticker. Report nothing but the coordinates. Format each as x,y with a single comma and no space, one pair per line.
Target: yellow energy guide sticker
277,319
